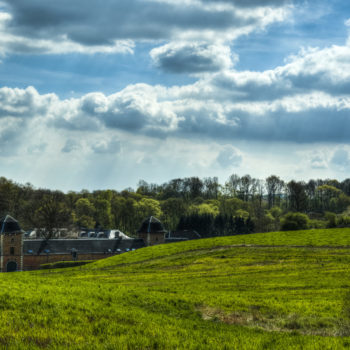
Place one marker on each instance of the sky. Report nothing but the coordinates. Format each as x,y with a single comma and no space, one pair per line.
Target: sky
101,94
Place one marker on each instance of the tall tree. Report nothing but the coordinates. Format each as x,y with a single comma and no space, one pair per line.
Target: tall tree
297,198
51,215
274,187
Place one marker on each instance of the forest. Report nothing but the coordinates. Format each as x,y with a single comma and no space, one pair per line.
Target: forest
242,205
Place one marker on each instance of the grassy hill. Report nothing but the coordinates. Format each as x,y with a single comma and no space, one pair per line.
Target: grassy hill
274,290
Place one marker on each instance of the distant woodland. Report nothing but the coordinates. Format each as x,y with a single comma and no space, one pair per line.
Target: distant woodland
242,205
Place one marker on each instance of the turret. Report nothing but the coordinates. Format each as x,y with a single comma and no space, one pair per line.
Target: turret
152,231
11,245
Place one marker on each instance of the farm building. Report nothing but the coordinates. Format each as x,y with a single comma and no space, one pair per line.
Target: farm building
20,254
152,232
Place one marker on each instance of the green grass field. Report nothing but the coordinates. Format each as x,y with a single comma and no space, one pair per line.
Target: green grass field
283,290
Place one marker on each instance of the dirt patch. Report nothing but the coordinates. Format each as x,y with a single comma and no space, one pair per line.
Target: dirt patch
255,319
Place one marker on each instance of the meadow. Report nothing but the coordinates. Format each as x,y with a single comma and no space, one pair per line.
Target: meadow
281,290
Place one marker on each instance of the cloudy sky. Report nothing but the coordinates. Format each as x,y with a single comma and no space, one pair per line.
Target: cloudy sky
100,94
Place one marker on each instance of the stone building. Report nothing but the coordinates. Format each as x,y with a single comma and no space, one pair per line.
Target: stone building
20,254
11,245
152,231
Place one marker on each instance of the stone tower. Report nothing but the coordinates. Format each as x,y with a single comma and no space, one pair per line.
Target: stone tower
152,231
11,245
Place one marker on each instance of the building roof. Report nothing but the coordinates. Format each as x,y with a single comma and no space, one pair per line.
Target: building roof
9,225
152,225
184,234
81,246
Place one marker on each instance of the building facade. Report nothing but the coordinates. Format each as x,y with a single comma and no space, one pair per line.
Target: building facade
152,232
11,245
20,254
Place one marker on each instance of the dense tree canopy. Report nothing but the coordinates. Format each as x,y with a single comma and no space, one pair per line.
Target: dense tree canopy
243,204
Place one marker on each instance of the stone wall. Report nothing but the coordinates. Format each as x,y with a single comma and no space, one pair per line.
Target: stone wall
152,238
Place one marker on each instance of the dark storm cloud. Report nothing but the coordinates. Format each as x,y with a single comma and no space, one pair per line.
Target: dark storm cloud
307,126
251,3
192,57
91,22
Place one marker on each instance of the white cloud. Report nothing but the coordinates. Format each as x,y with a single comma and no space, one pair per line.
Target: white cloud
107,146
37,148
306,100
229,157
24,103
318,162
70,146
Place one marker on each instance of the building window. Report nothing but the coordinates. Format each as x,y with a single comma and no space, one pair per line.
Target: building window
12,240
12,251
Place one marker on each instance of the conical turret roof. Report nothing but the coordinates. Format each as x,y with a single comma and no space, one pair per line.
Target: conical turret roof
152,225
9,225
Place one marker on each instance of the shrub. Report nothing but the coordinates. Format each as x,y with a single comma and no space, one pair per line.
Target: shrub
317,224
295,221
343,221
332,219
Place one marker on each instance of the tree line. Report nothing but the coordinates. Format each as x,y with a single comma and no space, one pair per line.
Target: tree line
242,204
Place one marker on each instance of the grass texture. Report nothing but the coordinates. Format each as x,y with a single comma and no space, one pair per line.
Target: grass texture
282,290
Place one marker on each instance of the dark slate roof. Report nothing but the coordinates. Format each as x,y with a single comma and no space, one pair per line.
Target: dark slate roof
82,246
173,240
152,225
185,234
9,225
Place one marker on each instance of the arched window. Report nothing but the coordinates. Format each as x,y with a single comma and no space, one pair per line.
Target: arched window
12,250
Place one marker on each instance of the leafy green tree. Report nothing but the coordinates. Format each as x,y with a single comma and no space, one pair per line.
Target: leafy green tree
208,208
242,214
231,205
85,212
172,209
124,210
274,186
331,218
51,215
297,197
294,221
103,213
148,207
326,193
232,185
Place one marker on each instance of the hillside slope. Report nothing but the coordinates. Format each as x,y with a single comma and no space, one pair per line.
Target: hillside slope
276,290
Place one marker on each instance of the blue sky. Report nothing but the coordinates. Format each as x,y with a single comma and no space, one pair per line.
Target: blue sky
97,97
